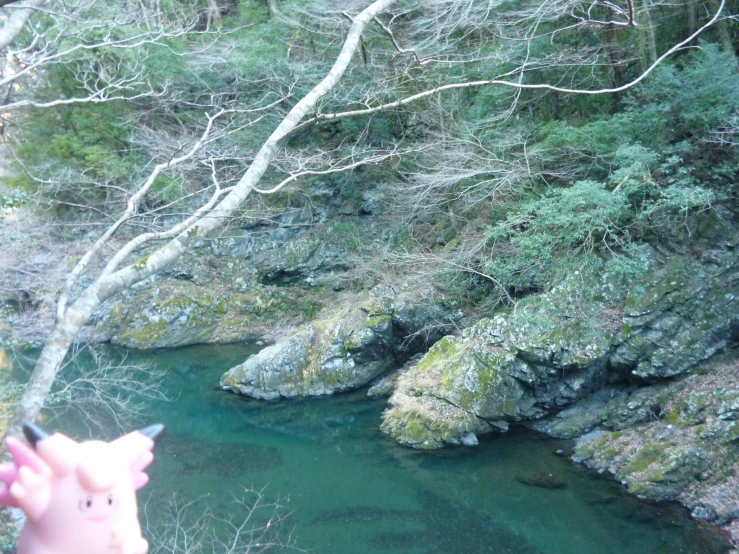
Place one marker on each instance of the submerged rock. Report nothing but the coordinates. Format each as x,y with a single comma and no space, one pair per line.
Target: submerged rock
541,480
445,525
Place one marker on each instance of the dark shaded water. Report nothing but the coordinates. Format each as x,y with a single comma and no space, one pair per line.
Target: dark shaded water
352,491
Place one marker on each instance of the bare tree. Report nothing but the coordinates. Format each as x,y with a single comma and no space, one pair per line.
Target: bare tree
72,315
454,22
105,394
70,35
255,524
17,19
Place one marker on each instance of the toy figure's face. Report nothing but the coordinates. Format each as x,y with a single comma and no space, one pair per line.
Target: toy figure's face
74,509
99,506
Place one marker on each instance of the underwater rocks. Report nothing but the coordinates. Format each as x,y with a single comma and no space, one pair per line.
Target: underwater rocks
357,343
440,526
541,480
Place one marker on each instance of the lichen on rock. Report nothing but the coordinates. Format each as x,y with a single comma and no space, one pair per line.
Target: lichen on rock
589,336
165,314
343,350
689,451
512,367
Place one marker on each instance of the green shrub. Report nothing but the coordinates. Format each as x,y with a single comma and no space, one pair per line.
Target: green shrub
531,244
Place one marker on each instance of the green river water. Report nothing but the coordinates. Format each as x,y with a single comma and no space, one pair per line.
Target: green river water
350,490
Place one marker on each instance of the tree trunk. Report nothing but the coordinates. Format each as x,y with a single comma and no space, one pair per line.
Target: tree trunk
724,34
17,21
692,14
649,34
71,319
614,59
47,367
214,13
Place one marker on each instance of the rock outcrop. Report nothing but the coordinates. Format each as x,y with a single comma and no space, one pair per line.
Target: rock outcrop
508,368
345,350
558,348
256,280
202,301
238,289
688,450
632,368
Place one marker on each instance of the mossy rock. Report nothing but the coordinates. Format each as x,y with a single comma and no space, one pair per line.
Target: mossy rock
344,349
166,314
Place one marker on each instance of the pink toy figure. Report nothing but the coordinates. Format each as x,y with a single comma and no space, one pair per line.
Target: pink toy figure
79,498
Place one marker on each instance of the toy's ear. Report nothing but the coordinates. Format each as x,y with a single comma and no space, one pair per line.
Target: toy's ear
154,432
34,433
135,451
60,452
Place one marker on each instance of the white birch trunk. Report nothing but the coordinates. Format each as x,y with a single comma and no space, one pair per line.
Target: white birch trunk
72,318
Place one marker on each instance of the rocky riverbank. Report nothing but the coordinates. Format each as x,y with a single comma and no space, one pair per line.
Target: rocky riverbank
631,369
621,360
670,441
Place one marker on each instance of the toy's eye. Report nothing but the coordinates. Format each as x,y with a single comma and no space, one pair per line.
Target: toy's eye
88,502
110,500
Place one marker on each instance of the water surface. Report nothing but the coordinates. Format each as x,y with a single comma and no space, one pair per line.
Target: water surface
351,490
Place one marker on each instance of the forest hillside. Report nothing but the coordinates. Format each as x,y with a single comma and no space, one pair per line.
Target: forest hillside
496,213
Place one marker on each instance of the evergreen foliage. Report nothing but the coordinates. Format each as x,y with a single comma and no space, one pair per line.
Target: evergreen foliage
546,182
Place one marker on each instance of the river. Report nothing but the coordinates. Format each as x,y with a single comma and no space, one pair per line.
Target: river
347,489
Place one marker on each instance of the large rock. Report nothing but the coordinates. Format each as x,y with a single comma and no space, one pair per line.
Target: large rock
612,408
313,258
335,354
557,348
346,350
200,299
682,314
688,452
164,314
500,370
269,234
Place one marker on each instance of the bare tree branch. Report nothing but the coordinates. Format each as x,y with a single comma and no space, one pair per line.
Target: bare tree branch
254,525
78,313
513,84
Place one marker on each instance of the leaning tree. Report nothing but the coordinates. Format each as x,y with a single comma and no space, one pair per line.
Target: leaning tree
382,53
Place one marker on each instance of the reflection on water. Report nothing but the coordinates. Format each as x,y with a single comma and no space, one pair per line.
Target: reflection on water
353,491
